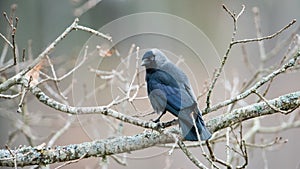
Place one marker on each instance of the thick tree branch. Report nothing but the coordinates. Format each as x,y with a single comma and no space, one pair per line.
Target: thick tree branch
286,102
42,97
46,155
159,134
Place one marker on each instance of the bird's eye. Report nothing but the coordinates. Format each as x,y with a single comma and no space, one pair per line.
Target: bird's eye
152,57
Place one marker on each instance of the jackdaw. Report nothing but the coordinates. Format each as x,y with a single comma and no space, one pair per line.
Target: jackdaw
169,89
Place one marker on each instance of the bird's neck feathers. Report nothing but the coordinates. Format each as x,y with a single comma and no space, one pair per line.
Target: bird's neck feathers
151,70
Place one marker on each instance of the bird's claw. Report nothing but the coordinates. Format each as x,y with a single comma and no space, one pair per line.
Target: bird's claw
155,120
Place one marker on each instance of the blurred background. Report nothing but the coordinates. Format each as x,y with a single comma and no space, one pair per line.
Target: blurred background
40,22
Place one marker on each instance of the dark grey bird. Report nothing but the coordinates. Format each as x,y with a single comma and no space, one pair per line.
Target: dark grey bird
169,90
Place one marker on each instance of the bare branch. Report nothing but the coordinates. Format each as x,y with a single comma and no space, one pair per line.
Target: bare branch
4,96
190,155
70,162
92,31
232,43
47,155
288,101
259,33
272,106
265,79
278,140
57,134
213,157
6,40
225,57
266,37
74,26
42,97
159,133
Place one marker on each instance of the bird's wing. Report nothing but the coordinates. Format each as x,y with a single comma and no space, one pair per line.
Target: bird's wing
158,100
190,92
162,85
180,77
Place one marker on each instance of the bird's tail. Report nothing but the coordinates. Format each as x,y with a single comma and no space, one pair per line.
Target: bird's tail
203,130
188,129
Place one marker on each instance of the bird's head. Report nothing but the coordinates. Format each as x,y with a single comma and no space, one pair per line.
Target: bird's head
154,58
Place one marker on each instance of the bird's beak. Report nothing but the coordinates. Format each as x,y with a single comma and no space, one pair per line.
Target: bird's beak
145,62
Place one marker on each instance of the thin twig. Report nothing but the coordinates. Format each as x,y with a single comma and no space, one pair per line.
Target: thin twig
285,112
24,92
278,140
282,44
259,33
225,57
14,46
6,40
4,96
213,157
119,161
23,55
9,21
241,12
190,155
92,31
266,37
55,77
74,26
70,162
61,131
14,155
249,91
232,43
